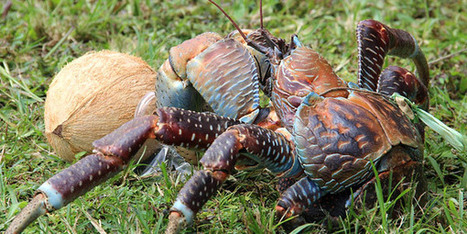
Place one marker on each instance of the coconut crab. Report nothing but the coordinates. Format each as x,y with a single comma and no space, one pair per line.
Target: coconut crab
331,133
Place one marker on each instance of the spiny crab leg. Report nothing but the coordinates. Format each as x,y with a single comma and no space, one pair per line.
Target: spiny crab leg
35,208
266,147
375,41
397,79
88,172
114,151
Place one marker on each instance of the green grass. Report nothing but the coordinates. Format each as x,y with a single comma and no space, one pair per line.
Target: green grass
37,38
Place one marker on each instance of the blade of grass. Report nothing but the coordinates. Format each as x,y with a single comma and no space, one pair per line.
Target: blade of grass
437,169
5,73
380,198
59,43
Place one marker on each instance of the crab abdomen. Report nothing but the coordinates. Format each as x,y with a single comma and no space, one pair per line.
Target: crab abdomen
337,138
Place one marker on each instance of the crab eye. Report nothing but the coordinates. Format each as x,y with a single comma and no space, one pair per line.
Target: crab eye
295,41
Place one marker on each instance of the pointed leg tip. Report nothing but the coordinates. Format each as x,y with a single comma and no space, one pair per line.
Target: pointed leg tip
280,210
283,213
31,212
176,221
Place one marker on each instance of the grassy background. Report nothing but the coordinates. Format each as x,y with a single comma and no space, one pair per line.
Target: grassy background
37,38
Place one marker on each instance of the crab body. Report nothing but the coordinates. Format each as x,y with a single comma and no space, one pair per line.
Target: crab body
326,136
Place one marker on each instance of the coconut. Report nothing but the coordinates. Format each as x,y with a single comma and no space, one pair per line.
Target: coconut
92,96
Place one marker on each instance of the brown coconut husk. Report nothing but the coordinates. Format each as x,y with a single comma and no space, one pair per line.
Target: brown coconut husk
92,96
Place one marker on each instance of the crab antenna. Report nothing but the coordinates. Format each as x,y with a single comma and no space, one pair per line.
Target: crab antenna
231,20
261,12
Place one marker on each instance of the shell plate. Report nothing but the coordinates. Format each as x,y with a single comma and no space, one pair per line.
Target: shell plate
336,138
300,73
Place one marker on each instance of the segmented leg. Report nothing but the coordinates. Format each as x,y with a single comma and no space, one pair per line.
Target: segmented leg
299,196
285,183
114,151
399,80
269,149
88,172
375,41
302,200
331,206
399,169
334,206
396,79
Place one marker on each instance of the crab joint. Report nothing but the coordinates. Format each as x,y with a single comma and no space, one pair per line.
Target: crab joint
196,192
299,196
